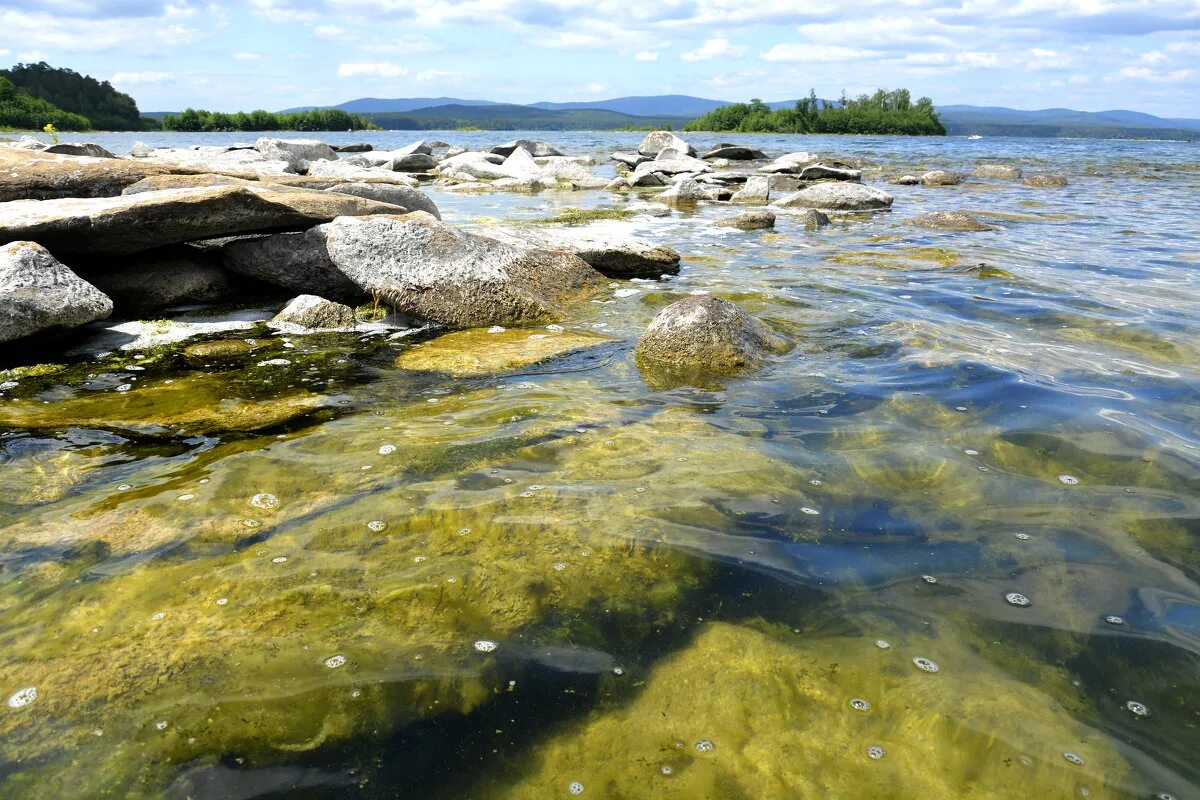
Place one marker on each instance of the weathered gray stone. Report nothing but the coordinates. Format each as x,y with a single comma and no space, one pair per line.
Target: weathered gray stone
160,279
222,160
838,196
414,162
688,192
951,221
735,152
998,171
748,221
1048,181
298,261
352,148
403,196
317,313
906,180
658,141
814,219
130,223
298,153
704,335
347,172
822,172
37,293
34,175
630,159
79,149
755,192
790,163
940,177
675,166
614,255
537,149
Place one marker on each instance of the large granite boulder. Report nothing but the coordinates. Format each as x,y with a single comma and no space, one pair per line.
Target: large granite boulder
298,153
838,196
658,141
316,313
403,196
37,293
475,165
706,335
756,191
158,279
959,221
614,255
537,149
1006,171
297,261
131,223
667,167
413,162
735,152
34,175
748,221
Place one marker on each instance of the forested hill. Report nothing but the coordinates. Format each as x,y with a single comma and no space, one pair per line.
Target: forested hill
103,106
885,112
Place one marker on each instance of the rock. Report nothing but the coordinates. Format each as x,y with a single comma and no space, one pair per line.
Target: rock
477,165
221,349
821,172
81,149
482,352
951,221
735,152
27,142
157,183
789,163
519,164
161,279
298,153
537,149
646,179
403,196
755,192
616,256
618,185
814,219
352,148
688,192
414,162
560,170
675,166
37,293
658,141
222,160
31,175
706,335
631,159
1046,181
748,221
130,223
940,177
280,183
906,180
454,151
310,311
838,196
347,172
427,269
997,171
140,150
297,261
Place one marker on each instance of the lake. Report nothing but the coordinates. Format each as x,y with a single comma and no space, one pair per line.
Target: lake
947,547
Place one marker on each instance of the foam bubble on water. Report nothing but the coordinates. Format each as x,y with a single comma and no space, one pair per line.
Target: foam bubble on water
251,523
618,671
124,387
274,362
157,615
1137,709
929,579
463,531
335,661
264,501
496,329
124,487
1164,796
279,560
387,449
926,665
811,511
419,559
971,452
526,494
705,746
1073,758
575,787
221,601
666,770
1068,480
875,752
882,644
817,482
1017,599
377,525
186,497
161,724
1113,619
485,645
559,566
1024,537
22,697
858,704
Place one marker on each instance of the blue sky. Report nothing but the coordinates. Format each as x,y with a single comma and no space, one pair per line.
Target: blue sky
1084,54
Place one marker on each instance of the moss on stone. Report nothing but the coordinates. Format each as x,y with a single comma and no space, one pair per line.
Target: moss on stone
481,352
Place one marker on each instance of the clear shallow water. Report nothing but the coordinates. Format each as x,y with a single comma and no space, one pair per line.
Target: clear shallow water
658,570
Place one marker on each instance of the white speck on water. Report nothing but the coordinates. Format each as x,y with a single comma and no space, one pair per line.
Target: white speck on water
161,724
559,566
858,704
377,525
882,644
555,328
1017,599
274,362
22,697
124,387
486,645
1113,619
875,752
1137,709
808,510
626,292
221,601
156,616
124,487
186,497
496,329
575,787
925,665
333,662
1074,759
929,579
387,449
1068,480
463,531
264,501
1024,537
971,452
279,560
705,746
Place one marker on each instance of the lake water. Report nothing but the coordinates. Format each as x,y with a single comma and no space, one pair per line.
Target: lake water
948,547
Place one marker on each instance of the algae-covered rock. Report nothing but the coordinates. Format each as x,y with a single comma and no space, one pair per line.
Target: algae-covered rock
958,221
484,351
998,171
762,713
748,221
940,177
1047,181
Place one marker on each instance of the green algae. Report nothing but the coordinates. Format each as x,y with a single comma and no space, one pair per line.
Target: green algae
484,352
585,216
899,258
759,712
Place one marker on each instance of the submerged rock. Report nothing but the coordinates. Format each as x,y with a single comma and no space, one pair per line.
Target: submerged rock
127,224
748,221
906,180
940,177
1048,181
688,192
403,196
813,219
614,255
755,192
838,196
759,712
482,351
310,311
997,171
951,221
705,335
37,293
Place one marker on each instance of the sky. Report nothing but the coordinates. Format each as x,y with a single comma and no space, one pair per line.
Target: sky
1142,55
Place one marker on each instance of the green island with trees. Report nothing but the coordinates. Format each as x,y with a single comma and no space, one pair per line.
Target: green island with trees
885,112
327,119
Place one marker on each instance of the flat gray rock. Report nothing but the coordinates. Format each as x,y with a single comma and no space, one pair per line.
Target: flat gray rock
838,196
959,221
402,196
940,177
823,172
37,293
756,191
614,255
735,152
748,221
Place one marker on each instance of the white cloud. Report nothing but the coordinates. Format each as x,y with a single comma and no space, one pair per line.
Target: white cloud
714,48
141,78
245,56
818,53
379,69
646,55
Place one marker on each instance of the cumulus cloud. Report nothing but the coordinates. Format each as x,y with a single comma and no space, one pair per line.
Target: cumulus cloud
646,55
817,53
714,48
377,69
141,78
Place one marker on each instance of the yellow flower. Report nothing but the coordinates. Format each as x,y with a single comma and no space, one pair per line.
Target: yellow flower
50,129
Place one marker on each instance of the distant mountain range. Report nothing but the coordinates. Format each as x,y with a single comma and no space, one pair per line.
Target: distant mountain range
676,110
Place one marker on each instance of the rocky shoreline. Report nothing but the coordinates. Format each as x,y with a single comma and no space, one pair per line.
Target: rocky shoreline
88,235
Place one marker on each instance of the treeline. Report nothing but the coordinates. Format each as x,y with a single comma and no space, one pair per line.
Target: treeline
884,112
83,97
24,112
331,119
